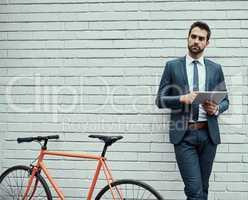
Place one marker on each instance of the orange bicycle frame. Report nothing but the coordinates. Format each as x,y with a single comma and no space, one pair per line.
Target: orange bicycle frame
41,166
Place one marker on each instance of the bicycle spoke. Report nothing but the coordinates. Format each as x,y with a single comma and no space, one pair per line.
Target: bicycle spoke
22,183
41,193
6,191
11,192
143,194
16,181
138,193
133,191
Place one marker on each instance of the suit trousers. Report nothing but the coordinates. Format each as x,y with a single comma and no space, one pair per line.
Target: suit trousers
195,155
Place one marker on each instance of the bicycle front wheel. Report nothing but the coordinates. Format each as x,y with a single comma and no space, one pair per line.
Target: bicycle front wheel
128,189
13,183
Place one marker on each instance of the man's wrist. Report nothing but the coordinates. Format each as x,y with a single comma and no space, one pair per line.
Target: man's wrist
182,99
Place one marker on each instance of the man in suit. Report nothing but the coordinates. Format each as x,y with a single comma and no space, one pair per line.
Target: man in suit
193,128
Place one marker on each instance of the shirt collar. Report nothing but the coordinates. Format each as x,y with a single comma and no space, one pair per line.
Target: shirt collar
190,59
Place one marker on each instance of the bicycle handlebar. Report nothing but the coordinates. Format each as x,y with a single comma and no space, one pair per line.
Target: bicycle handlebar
38,138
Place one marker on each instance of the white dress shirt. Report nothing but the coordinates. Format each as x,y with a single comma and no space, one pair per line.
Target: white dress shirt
202,80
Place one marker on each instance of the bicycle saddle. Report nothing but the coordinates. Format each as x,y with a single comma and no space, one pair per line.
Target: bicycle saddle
109,140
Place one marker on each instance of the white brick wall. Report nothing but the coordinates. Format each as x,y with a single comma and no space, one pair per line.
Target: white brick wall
80,67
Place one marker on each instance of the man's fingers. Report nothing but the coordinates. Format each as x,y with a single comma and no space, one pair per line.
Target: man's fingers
193,95
210,109
207,102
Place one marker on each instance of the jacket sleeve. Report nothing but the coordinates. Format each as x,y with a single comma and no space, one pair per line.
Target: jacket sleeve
224,104
165,97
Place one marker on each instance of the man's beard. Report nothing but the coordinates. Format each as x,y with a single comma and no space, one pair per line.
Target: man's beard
195,50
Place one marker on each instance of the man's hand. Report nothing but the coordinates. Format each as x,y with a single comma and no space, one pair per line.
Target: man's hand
188,98
210,107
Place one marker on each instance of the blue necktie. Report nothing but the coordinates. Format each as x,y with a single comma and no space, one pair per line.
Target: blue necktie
195,107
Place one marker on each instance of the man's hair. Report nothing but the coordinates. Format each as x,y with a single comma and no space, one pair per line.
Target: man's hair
201,25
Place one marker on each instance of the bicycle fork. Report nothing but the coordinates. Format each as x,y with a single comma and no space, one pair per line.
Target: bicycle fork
34,170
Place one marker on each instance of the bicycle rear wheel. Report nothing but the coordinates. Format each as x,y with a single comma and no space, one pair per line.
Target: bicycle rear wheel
13,184
129,189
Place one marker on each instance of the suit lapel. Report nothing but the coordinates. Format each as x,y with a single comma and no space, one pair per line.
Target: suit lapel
208,74
184,73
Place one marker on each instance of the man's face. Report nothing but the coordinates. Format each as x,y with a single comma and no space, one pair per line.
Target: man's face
197,41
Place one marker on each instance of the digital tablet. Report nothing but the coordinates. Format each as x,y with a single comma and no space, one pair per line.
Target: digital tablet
215,96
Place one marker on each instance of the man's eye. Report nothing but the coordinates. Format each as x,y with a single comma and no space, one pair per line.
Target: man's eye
201,38
193,36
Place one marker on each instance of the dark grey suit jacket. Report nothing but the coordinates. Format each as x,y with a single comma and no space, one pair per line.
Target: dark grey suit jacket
174,82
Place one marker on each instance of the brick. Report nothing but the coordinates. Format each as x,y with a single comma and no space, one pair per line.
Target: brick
241,187
241,148
227,43
220,167
237,167
31,44
230,195
228,157
3,35
228,177
234,138
223,148
32,26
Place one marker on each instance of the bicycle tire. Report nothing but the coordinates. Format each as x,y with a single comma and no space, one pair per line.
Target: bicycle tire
13,183
129,189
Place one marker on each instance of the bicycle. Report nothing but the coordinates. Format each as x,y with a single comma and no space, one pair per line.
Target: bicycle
26,183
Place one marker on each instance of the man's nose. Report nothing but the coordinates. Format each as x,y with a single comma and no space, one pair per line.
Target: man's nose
196,40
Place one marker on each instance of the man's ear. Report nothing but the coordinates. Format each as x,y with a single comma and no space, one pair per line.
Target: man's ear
207,43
